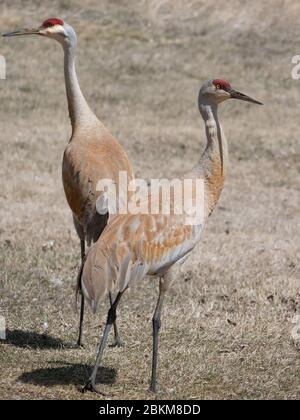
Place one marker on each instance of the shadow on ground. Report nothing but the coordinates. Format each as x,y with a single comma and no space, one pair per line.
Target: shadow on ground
34,340
75,374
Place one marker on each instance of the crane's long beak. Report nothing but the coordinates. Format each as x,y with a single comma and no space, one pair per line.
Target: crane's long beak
23,32
238,95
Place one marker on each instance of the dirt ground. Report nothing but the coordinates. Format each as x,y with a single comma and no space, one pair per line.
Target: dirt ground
227,329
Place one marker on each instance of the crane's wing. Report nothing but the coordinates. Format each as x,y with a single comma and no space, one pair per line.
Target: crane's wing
132,246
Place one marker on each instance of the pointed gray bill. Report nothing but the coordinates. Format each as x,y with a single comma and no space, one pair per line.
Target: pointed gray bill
238,95
23,32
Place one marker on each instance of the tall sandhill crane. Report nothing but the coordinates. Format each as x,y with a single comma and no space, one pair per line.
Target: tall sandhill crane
92,153
132,246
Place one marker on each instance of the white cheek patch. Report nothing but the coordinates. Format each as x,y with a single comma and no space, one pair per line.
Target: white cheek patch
54,30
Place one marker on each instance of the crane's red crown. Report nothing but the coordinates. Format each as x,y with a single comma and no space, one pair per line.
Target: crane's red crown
52,22
221,84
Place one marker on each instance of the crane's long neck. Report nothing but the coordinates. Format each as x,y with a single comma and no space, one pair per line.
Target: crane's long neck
79,111
213,163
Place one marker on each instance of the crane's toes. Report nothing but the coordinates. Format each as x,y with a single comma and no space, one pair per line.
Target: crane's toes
152,389
77,345
118,342
80,345
89,386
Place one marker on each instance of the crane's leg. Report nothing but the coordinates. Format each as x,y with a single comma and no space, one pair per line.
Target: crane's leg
156,324
111,317
164,284
79,341
117,340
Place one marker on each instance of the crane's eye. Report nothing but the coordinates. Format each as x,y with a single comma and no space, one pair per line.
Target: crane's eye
218,86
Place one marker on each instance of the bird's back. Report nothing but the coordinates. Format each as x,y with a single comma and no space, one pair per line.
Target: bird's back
132,246
91,156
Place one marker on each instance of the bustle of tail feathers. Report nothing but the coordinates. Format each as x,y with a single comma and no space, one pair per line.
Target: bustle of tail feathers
95,275
104,270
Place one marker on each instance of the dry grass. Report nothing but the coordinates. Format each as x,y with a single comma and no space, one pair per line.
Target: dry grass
227,322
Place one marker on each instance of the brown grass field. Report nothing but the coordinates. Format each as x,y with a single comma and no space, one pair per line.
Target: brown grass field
228,320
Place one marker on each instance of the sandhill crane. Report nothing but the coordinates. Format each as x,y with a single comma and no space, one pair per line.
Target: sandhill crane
92,153
132,246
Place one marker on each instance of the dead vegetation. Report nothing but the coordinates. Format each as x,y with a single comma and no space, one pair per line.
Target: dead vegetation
227,324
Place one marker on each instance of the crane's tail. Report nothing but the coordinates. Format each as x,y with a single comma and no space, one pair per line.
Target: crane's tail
102,272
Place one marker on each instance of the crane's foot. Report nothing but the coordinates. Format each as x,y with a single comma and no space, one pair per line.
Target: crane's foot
77,345
91,387
152,389
80,344
118,342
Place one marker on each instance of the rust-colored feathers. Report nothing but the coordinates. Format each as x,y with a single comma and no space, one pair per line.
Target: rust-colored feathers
132,246
91,156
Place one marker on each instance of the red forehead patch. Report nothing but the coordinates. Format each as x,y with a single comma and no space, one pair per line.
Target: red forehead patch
222,83
52,22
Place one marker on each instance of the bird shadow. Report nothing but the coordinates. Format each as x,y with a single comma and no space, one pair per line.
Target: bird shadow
67,374
33,340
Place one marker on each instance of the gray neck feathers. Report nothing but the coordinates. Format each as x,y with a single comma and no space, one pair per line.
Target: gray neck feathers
216,151
79,111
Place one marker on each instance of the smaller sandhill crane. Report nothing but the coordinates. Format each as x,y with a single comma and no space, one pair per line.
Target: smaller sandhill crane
132,246
92,153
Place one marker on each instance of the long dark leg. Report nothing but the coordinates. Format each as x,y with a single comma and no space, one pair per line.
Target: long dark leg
111,317
79,341
156,323
117,340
